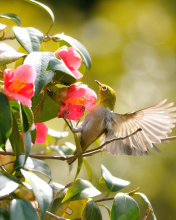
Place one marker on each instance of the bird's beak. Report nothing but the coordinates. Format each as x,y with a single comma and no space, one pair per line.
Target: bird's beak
100,85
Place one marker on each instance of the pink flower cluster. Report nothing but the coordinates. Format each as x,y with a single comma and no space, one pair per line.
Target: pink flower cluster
19,84
71,58
79,98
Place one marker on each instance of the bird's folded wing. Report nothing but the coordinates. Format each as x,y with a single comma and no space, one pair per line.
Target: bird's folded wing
156,122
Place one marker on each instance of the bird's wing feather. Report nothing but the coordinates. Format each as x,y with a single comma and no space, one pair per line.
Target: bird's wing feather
156,122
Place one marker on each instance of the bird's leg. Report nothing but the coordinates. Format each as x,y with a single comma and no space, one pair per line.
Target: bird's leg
74,130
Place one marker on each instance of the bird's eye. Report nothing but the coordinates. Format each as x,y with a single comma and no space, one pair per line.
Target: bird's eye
104,88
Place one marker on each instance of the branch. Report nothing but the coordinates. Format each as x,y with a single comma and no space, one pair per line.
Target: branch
7,38
52,215
46,38
84,154
55,197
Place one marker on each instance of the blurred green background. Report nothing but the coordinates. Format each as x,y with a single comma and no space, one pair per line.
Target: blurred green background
132,45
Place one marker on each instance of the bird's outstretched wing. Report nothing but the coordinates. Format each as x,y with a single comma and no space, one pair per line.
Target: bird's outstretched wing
156,122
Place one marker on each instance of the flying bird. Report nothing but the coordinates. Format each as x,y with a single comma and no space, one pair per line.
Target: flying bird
155,123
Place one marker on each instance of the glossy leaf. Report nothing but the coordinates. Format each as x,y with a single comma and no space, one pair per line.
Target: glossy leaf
76,209
44,7
27,144
16,140
124,207
7,186
63,74
49,109
39,60
150,209
88,168
2,27
80,158
5,120
113,183
29,38
57,134
8,54
77,45
92,211
41,190
57,207
33,165
79,190
4,215
23,210
28,118
12,17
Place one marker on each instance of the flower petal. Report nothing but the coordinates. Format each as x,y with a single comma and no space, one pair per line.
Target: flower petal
42,132
25,72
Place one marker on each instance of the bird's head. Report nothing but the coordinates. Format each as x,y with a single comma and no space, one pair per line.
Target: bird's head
107,96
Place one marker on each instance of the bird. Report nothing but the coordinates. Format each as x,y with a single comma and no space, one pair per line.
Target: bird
154,123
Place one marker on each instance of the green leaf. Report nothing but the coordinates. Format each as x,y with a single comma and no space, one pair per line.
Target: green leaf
76,208
77,45
33,165
2,27
23,210
12,177
16,111
33,132
12,17
88,168
39,60
42,191
124,208
91,211
80,158
46,8
16,140
58,134
8,54
113,183
29,38
7,186
57,207
63,74
148,203
4,215
49,109
79,190
28,118
5,120
27,144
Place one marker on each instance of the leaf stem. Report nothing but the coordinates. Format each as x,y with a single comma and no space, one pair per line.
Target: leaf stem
52,215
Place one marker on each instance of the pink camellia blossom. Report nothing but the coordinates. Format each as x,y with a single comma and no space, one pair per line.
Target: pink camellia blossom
42,132
19,83
79,98
71,58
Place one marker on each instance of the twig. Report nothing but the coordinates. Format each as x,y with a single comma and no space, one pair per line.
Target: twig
7,38
55,197
111,198
52,215
84,154
147,213
104,199
2,168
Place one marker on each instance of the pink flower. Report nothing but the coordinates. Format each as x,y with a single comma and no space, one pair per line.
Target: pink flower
19,83
79,98
71,58
42,132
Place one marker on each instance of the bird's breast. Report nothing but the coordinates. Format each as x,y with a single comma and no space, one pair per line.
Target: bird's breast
95,123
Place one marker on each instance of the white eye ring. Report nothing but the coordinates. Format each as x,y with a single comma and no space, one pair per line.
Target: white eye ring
104,88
